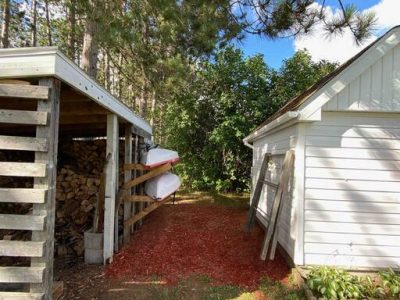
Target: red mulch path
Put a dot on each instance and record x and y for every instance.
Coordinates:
(177, 241)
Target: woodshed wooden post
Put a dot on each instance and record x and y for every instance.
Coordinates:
(127, 177)
(111, 187)
(47, 209)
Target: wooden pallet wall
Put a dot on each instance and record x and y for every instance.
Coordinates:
(42, 196)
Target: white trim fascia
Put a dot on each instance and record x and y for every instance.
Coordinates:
(290, 115)
(49, 61)
(344, 78)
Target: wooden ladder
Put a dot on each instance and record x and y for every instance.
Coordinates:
(272, 229)
(39, 249)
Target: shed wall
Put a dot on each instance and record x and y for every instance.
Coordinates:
(352, 190)
(277, 144)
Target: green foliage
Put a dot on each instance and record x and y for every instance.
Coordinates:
(334, 283)
(391, 282)
(228, 97)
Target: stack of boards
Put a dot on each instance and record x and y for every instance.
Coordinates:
(164, 185)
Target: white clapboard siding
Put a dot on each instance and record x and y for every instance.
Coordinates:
(331, 173)
(355, 185)
(350, 163)
(22, 169)
(23, 117)
(21, 91)
(349, 131)
(352, 217)
(22, 222)
(23, 143)
(381, 229)
(21, 274)
(352, 261)
(22, 195)
(352, 239)
(354, 206)
(334, 249)
(359, 196)
(376, 89)
(21, 248)
(21, 296)
(353, 153)
(345, 142)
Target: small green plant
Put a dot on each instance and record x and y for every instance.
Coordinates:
(333, 283)
(391, 282)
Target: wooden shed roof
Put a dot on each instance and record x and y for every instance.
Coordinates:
(38, 62)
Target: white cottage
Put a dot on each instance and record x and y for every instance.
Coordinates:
(344, 202)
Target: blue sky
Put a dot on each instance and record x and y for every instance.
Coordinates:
(275, 51)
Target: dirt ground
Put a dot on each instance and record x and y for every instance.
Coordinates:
(194, 249)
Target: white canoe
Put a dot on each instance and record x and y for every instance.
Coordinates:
(158, 156)
(162, 186)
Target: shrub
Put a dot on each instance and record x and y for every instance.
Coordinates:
(391, 282)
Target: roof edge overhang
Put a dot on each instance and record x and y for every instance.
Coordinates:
(49, 61)
(310, 110)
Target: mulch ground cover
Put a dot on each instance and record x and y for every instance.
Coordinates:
(182, 240)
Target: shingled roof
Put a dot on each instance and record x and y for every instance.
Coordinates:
(294, 103)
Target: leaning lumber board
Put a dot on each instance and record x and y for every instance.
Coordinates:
(24, 91)
(138, 198)
(153, 173)
(21, 248)
(23, 143)
(22, 222)
(23, 117)
(22, 169)
(140, 215)
(21, 274)
(22, 195)
(21, 296)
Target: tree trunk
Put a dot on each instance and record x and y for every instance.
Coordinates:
(5, 43)
(48, 24)
(153, 108)
(34, 30)
(107, 82)
(71, 32)
(90, 45)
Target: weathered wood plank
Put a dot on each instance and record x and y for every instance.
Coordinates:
(111, 187)
(23, 143)
(128, 167)
(21, 248)
(138, 198)
(51, 107)
(21, 296)
(22, 195)
(127, 177)
(22, 169)
(23, 117)
(22, 222)
(21, 274)
(153, 173)
(140, 215)
(255, 199)
(24, 91)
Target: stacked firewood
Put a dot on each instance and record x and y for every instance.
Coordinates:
(75, 199)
